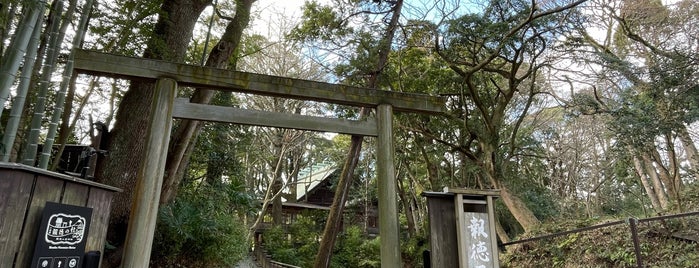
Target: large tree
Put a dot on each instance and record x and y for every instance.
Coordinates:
(185, 133)
(498, 54)
(169, 41)
(647, 85)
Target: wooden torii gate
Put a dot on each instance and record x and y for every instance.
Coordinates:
(165, 106)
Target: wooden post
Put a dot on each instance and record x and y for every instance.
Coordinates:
(461, 231)
(490, 202)
(144, 211)
(388, 205)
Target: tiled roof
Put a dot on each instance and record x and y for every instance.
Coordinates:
(311, 177)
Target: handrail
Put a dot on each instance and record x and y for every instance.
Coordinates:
(588, 228)
(265, 260)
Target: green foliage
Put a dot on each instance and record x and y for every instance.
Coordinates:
(412, 249)
(355, 250)
(300, 245)
(202, 229)
(123, 26)
(540, 201)
(320, 22)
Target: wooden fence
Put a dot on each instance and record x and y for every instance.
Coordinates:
(265, 260)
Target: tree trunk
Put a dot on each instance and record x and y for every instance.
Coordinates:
(690, 149)
(332, 226)
(670, 184)
(657, 184)
(502, 234)
(187, 131)
(407, 209)
(278, 150)
(55, 37)
(432, 169)
(125, 143)
(524, 216)
(68, 123)
(519, 209)
(647, 185)
(673, 169)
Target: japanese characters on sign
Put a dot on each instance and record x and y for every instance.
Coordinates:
(477, 240)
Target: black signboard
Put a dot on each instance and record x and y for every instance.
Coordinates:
(60, 242)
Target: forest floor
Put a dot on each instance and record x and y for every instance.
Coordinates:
(661, 243)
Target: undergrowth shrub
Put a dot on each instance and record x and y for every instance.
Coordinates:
(198, 231)
(300, 246)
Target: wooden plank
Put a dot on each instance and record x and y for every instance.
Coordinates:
(103, 64)
(15, 190)
(493, 234)
(474, 192)
(144, 212)
(442, 222)
(461, 231)
(186, 110)
(74, 194)
(38, 171)
(100, 201)
(46, 189)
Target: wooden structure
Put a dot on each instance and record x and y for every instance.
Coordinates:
(169, 76)
(24, 191)
(290, 212)
(315, 192)
(314, 185)
(75, 160)
(462, 228)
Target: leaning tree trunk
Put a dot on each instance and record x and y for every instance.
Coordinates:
(171, 36)
(184, 136)
(524, 216)
(655, 179)
(332, 226)
(68, 123)
(647, 185)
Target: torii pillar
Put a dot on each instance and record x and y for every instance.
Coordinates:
(144, 209)
(386, 177)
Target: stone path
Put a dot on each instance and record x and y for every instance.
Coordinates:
(248, 262)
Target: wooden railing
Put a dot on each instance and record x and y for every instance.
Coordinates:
(265, 260)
